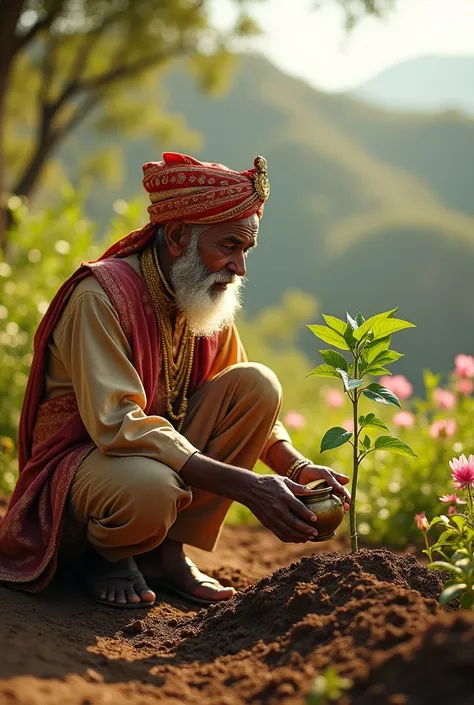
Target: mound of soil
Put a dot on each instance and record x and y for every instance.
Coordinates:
(374, 616)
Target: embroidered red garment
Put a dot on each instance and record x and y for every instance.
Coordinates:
(52, 438)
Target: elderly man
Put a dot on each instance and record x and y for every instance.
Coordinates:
(142, 418)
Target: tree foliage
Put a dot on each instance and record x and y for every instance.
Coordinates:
(60, 60)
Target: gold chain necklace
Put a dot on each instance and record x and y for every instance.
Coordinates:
(176, 374)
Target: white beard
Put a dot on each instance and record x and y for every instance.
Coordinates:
(207, 311)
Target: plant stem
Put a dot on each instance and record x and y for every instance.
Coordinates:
(355, 467)
(469, 496)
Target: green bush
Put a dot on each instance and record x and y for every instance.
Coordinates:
(44, 249)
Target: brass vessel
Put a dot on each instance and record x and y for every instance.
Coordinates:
(327, 507)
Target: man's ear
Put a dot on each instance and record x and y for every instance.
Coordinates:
(176, 237)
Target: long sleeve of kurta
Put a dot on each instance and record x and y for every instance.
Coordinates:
(90, 348)
(90, 355)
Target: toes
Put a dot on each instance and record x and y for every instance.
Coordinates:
(147, 595)
(120, 597)
(132, 596)
(110, 595)
(215, 592)
(144, 591)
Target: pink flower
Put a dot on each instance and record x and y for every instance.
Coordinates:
(334, 398)
(348, 424)
(452, 510)
(444, 428)
(444, 399)
(422, 522)
(464, 366)
(399, 385)
(464, 387)
(451, 499)
(294, 420)
(404, 419)
(462, 471)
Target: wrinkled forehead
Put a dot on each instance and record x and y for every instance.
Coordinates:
(246, 227)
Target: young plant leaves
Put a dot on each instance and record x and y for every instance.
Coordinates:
(394, 445)
(382, 395)
(348, 382)
(335, 359)
(372, 350)
(370, 322)
(351, 321)
(334, 438)
(324, 371)
(336, 324)
(328, 335)
(372, 421)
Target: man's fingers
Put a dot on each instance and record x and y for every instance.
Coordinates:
(300, 526)
(301, 510)
(343, 479)
(332, 479)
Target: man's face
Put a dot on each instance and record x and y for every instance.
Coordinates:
(208, 277)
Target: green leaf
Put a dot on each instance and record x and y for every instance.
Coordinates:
(336, 324)
(334, 438)
(444, 565)
(467, 600)
(374, 422)
(439, 520)
(458, 522)
(372, 350)
(366, 442)
(351, 321)
(394, 445)
(376, 392)
(324, 371)
(360, 319)
(377, 371)
(451, 592)
(333, 358)
(387, 357)
(329, 336)
(370, 322)
(388, 326)
(348, 382)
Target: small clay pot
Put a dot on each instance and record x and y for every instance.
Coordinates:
(327, 507)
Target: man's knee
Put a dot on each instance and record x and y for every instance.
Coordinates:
(259, 380)
(153, 491)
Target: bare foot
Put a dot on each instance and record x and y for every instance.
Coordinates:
(119, 583)
(169, 564)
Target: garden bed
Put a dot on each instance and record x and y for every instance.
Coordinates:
(375, 617)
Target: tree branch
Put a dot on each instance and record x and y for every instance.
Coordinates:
(38, 27)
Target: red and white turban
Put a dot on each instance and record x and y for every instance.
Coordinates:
(183, 188)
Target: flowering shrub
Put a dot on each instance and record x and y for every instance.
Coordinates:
(455, 544)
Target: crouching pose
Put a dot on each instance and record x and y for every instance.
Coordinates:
(142, 418)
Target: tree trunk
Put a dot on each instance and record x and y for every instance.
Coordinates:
(10, 11)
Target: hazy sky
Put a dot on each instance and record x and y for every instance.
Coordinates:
(313, 44)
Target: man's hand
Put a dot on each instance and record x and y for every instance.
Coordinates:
(336, 480)
(273, 500)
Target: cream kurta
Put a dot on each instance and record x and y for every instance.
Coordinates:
(90, 356)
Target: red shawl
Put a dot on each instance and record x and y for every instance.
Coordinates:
(52, 438)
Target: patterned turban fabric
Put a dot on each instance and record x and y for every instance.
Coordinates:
(183, 188)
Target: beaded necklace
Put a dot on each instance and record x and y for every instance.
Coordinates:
(176, 373)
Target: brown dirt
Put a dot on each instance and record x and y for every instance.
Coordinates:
(374, 616)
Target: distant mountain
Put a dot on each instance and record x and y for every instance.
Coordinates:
(369, 209)
(429, 83)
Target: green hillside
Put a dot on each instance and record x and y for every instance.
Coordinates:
(369, 209)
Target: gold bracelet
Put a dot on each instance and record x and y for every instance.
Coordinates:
(296, 466)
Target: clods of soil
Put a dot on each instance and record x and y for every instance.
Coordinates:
(374, 616)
